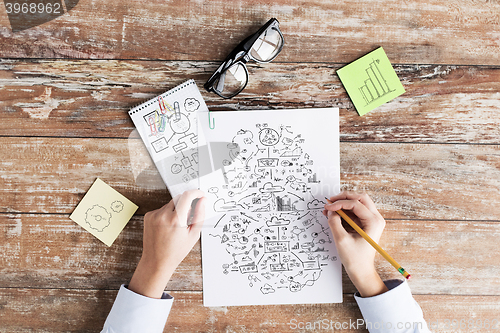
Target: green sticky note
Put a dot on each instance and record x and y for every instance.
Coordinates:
(103, 212)
(370, 81)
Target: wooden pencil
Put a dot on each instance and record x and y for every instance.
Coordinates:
(372, 242)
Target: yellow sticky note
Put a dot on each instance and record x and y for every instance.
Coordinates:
(370, 81)
(103, 212)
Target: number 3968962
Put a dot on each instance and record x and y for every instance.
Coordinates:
(33, 8)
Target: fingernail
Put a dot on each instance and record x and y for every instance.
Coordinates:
(330, 213)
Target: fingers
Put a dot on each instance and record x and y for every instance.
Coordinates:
(183, 206)
(166, 211)
(335, 223)
(363, 208)
(358, 209)
(175, 200)
(361, 197)
(198, 218)
(170, 207)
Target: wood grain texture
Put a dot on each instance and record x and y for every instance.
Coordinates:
(51, 175)
(430, 158)
(276, 319)
(53, 310)
(67, 310)
(443, 104)
(416, 31)
(51, 251)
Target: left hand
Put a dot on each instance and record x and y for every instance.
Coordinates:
(169, 235)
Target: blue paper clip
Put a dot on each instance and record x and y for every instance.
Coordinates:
(211, 121)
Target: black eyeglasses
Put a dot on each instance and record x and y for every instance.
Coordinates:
(232, 75)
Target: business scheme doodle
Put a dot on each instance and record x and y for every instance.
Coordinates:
(269, 212)
(168, 126)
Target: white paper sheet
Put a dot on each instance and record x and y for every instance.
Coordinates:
(168, 126)
(266, 240)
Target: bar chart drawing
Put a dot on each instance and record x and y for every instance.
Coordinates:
(375, 86)
(313, 179)
(284, 204)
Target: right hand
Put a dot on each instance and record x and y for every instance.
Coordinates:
(356, 254)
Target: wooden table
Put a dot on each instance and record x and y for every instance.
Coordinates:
(430, 158)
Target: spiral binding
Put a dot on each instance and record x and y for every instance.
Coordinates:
(153, 100)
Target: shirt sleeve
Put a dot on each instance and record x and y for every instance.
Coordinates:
(394, 311)
(132, 312)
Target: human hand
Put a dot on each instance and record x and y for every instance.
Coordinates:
(356, 254)
(169, 235)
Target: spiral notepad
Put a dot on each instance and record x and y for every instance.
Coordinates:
(168, 126)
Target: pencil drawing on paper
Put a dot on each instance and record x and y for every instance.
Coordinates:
(173, 132)
(117, 206)
(271, 226)
(97, 217)
(376, 85)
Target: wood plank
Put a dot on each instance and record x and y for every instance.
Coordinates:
(425, 181)
(63, 310)
(54, 310)
(51, 251)
(416, 31)
(437, 311)
(439, 188)
(443, 104)
(51, 175)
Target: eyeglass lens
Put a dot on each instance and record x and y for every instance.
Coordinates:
(232, 81)
(267, 45)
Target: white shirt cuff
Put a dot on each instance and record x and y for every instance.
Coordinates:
(393, 311)
(132, 312)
